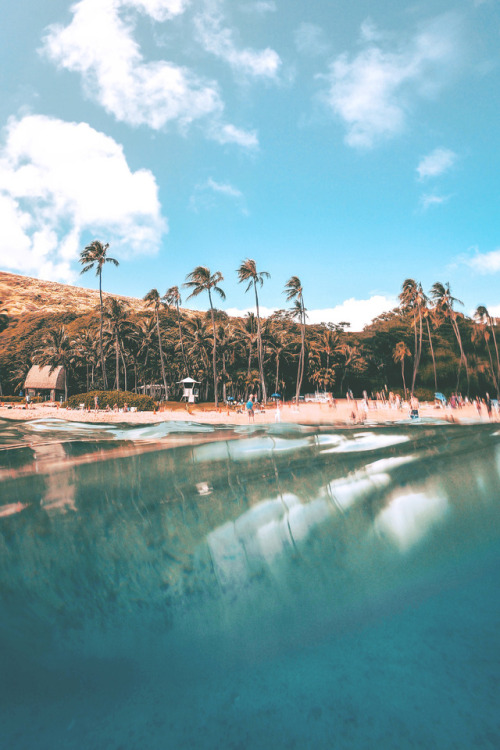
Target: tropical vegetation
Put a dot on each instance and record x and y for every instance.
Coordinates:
(423, 345)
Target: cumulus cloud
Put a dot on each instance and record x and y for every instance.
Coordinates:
(373, 91)
(59, 180)
(219, 41)
(358, 312)
(99, 44)
(485, 263)
(435, 163)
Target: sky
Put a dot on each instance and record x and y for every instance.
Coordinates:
(353, 145)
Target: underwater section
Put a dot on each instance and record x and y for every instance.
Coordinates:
(185, 586)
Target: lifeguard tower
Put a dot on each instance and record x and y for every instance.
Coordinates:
(189, 391)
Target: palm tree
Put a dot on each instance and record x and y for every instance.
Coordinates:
(172, 297)
(428, 314)
(294, 291)
(86, 350)
(153, 298)
(412, 300)
(399, 354)
(118, 326)
(481, 331)
(444, 305)
(248, 272)
(94, 256)
(56, 351)
(483, 314)
(201, 280)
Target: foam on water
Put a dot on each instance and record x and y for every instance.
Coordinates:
(273, 587)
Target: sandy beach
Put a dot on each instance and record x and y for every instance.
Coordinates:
(344, 413)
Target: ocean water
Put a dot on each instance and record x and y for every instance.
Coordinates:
(183, 586)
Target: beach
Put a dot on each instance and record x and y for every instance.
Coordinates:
(343, 413)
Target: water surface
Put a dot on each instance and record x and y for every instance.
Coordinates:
(184, 586)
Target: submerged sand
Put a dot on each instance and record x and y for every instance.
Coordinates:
(342, 413)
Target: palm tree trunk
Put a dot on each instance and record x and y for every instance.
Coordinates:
(432, 353)
(214, 350)
(463, 358)
(300, 372)
(259, 345)
(186, 374)
(161, 353)
(495, 382)
(117, 360)
(103, 366)
(124, 369)
(496, 351)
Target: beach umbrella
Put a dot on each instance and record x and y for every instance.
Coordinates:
(229, 398)
(275, 395)
(440, 397)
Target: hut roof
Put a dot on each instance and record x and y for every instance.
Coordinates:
(45, 377)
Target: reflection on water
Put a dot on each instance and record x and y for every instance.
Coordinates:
(227, 588)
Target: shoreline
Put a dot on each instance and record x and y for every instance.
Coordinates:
(344, 413)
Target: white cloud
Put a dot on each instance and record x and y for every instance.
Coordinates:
(358, 312)
(99, 45)
(231, 134)
(61, 179)
(219, 41)
(430, 199)
(204, 192)
(485, 263)
(260, 6)
(224, 188)
(310, 40)
(437, 162)
(373, 91)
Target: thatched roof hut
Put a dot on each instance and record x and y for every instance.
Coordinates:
(40, 380)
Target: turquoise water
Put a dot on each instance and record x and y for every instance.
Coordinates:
(183, 586)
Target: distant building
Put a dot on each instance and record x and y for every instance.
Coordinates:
(46, 382)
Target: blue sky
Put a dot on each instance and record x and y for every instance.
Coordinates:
(351, 144)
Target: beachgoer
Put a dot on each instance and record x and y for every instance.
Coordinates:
(249, 408)
(488, 405)
(125, 407)
(414, 407)
(27, 401)
(277, 416)
(96, 403)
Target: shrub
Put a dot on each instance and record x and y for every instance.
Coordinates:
(110, 398)
(21, 399)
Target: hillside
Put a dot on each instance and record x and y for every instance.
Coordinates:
(22, 294)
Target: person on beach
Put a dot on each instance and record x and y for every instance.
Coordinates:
(96, 403)
(414, 405)
(249, 408)
(277, 416)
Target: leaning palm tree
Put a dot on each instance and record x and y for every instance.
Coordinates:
(444, 302)
(94, 256)
(248, 272)
(483, 314)
(201, 280)
(399, 354)
(293, 290)
(153, 298)
(172, 297)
